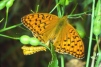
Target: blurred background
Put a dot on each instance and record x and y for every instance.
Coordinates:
(11, 54)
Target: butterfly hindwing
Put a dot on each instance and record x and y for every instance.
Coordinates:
(68, 41)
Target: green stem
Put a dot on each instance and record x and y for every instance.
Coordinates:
(75, 15)
(97, 43)
(11, 27)
(73, 9)
(37, 8)
(93, 59)
(6, 18)
(1, 20)
(98, 60)
(91, 35)
(62, 61)
(45, 46)
(62, 10)
(54, 8)
(9, 37)
(58, 9)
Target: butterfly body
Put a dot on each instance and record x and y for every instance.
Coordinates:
(47, 27)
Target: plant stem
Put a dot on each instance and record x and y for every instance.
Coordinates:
(11, 27)
(62, 61)
(9, 37)
(91, 35)
(6, 18)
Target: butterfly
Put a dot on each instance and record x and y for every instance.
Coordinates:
(46, 27)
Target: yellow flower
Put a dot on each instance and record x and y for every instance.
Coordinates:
(28, 50)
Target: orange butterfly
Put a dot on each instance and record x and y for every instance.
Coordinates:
(46, 27)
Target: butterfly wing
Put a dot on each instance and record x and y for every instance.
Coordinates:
(41, 24)
(68, 41)
(47, 27)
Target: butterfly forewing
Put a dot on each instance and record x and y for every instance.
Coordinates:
(41, 24)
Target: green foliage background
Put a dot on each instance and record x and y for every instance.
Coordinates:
(10, 48)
